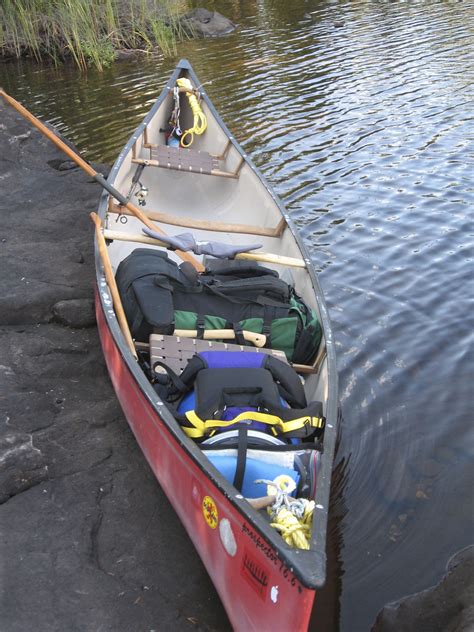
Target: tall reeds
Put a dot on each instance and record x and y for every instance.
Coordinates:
(89, 31)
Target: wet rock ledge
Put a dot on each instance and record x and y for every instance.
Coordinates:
(88, 539)
(446, 607)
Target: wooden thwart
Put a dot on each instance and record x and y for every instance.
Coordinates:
(266, 257)
(204, 224)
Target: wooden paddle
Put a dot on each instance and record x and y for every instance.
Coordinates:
(261, 503)
(85, 166)
(109, 275)
(258, 340)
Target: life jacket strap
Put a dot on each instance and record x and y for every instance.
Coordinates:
(200, 428)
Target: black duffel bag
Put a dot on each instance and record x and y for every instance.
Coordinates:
(159, 296)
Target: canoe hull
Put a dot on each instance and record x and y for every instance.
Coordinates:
(257, 589)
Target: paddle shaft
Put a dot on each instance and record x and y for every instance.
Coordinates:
(110, 277)
(261, 503)
(85, 166)
(258, 340)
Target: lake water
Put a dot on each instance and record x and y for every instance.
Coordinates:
(361, 115)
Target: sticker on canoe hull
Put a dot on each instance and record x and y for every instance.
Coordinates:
(255, 573)
(271, 556)
(227, 537)
(274, 594)
(209, 511)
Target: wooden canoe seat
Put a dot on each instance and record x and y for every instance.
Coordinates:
(184, 159)
(176, 352)
(188, 160)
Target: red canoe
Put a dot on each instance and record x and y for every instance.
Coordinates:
(214, 190)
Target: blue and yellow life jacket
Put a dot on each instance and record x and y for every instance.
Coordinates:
(227, 389)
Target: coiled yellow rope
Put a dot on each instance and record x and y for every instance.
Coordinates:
(292, 517)
(199, 120)
(296, 532)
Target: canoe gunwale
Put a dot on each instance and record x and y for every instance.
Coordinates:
(308, 566)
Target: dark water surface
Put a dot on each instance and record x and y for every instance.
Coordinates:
(361, 116)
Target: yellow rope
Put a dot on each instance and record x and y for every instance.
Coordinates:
(296, 532)
(292, 517)
(199, 120)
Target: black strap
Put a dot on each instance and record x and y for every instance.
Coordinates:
(268, 317)
(265, 300)
(239, 334)
(241, 458)
(176, 385)
(200, 326)
(260, 300)
(237, 327)
(190, 272)
(144, 360)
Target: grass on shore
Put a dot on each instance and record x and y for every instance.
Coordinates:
(89, 31)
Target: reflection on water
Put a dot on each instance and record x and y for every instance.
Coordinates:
(360, 114)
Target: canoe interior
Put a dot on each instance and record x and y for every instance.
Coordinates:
(244, 199)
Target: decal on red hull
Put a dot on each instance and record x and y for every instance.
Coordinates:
(209, 511)
(255, 573)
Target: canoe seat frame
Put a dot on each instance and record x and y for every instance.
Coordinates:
(176, 351)
(182, 349)
(184, 159)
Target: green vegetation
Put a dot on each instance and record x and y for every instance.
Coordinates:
(89, 31)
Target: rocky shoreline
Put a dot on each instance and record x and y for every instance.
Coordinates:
(446, 607)
(89, 541)
(56, 45)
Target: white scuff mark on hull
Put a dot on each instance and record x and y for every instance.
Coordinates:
(227, 537)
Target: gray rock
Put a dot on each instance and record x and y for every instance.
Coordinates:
(89, 541)
(79, 312)
(204, 23)
(21, 464)
(446, 607)
(128, 54)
